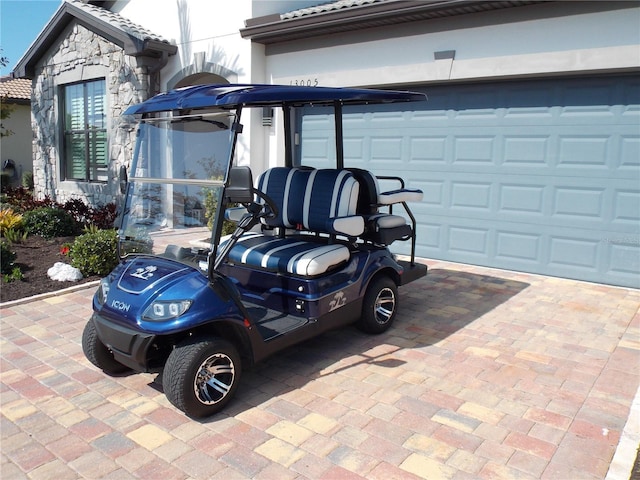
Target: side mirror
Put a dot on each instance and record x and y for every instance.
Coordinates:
(240, 186)
(123, 179)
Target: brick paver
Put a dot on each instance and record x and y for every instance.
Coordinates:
(486, 374)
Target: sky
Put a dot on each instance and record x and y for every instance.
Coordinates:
(20, 23)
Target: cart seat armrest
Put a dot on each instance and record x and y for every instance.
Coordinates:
(351, 226)
(401, 195)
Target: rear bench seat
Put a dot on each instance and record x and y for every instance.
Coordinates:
(310, 202)
(383, 228)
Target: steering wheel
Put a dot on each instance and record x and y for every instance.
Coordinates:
(267, 209)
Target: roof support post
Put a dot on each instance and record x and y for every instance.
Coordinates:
(337, 109)
(288, 136)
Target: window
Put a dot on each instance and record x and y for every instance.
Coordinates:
(85, 133)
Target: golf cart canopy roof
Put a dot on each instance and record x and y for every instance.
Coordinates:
(233, 96)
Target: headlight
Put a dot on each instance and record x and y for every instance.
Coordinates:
(103, 291)
(164, 310)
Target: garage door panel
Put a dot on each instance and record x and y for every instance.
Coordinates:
(586, 151)
(629, 158)
(578, 203)
(529, 150)
(518, 247)
(575, 253)
(624, 261)
(431, 235)
(521, 199)
(468, 241)
(471, 197)
(626, 209)
(427, 150)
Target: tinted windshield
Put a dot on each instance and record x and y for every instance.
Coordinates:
(176, 181)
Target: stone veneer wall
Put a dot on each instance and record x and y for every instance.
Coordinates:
(83, 55)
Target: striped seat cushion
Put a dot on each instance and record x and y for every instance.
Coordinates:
(296, 255)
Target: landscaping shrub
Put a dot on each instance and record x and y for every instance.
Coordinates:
(15, 236)
(95, 252)
(14, 275)
(22, 199)
(77, 209)
(7, 257)
(27, 180)
(9, 220)
(49, 222)
(103, 216)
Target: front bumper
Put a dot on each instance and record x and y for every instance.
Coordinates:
(129, 347)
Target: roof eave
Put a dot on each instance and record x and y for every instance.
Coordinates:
(273, 29)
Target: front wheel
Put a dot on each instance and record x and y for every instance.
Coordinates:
(379, 305)
(97, 353)
(201, 376)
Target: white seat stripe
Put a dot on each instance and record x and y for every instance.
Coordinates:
(285, 200)
(251, 249)
(307, 199)
(267, 255)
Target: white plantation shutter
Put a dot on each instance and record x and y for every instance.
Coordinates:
(85, 134)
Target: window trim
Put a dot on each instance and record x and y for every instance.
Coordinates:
(88, 132)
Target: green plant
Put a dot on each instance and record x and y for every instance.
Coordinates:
(49, 222)
(16, 274)
(91, 229)
(15, 236)
(9, 220)
(27, 180)
(7, 257)
(95, 253)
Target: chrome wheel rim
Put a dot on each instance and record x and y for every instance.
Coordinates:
(214, 379)
(384, 306)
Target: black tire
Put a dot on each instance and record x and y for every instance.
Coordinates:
(379, 305)
(190, 368)
(97, 353)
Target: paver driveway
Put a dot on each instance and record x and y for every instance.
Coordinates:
(486, 374)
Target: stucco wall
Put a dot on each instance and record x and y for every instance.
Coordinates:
(17, 146)
(538, 40)
(82, 55)
(204, 31)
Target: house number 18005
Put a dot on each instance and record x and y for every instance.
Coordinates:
(308, 82)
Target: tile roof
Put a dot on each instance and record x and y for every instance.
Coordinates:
(133, 38)
(15, 89)
(327, 7)
(118, 21)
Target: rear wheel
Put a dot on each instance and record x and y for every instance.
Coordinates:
(97, 353)
(379, 305)
(201, 376)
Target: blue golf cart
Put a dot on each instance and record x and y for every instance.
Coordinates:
(219, 271)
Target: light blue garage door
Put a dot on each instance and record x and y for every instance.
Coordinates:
(539, 176)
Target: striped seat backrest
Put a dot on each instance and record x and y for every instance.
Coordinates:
(329, 194)
(308, 198)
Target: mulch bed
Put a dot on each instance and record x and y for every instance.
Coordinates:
(35, 256)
